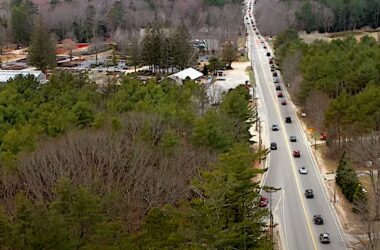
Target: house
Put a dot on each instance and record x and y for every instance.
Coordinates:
(189, 73)
(6, 75)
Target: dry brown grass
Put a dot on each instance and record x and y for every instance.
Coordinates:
(328, 37)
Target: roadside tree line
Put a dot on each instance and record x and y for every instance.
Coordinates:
(130, 166)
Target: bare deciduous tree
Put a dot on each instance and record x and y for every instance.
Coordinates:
(133, 165)
(366, 153)
(69, 45)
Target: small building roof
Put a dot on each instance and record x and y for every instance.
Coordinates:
(189, 72)
(6, 75)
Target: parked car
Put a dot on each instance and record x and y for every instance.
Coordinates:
(273, 146)
(309, 193)
(318, 219)
(268, 54)
(323, 137)
(275, 74)
(263, 202)
(278, 87)
(283, 102)
(265, 47)
(293, 138)
(324, 238)
(275, 127)
(275, 79)
(280, 95)
(303, 170)
(296, 153)
(288, 119)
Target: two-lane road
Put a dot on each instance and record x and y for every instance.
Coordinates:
(293, 211)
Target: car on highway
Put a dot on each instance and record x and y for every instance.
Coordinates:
(278, 87)
(296, 154)
(303, 170)
(280, 95)
(309, 193)
(283, 103)
(273, 146)
(275, 127)
(292, 138)
(268, 54)
(318, 219)
(288, 119)
(263, 201)
(324, 238)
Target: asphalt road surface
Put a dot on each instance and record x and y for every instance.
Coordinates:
(292, 211)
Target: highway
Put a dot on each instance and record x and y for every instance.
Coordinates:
(292, 211)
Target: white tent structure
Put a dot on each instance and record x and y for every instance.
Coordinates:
(6, 75)
(188, 73)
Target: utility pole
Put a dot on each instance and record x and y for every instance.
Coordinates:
(259, 122)
(271, 190)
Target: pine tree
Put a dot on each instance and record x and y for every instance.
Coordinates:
(42, 49)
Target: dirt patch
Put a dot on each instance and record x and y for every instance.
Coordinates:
(328, 37)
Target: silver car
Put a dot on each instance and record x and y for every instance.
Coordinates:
(303, 170)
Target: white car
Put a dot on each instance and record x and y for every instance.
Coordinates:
(303, 170)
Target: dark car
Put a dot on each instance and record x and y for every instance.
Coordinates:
(278, 87)
(273, 146)
(293, 138)
(309, 193)
(268, 54)
(288, 119)
(257, 33)
(265, 47)
(280, 95)
(318, 219)
(275, 127)
(296, 153)
(270, 60)
(283, 103)
(324, 238)
(275, 74)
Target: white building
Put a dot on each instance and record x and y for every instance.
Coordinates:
(188, 73)
(6, 75)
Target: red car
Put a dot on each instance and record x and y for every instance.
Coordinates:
(323, 136)
(263, 202)
(296, 154)
(280, 95)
